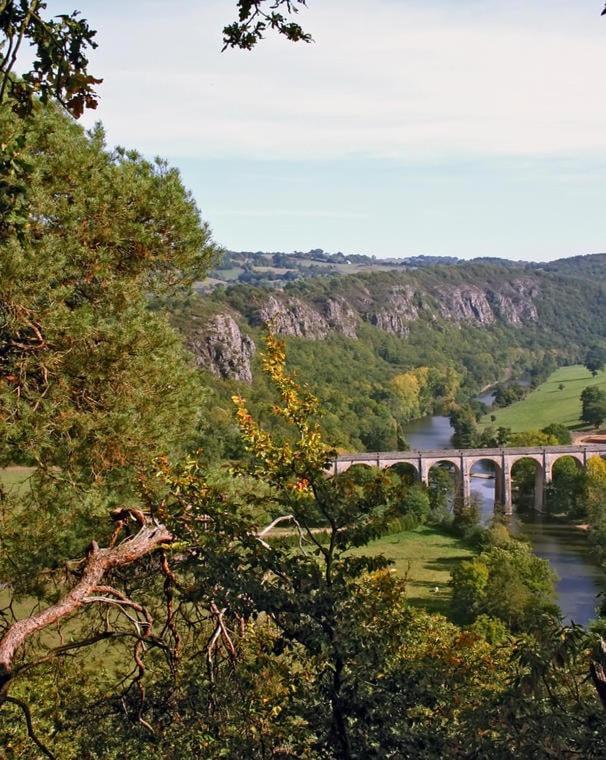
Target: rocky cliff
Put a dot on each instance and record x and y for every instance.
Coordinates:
(394, 307)
(397, 308)
(220, 346)
(288, 315)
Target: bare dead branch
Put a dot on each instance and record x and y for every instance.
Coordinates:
(273, 524)
(97, 563)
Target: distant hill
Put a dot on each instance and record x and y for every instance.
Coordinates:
(446, 330)
(276, 269)
(588, 267)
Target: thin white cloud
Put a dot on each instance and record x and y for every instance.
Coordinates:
(294, 213)
(383, 79)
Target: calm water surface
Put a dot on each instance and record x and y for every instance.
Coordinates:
(580, 578)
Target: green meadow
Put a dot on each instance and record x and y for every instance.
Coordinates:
(426, 557)
(548, 403)
(15, 478)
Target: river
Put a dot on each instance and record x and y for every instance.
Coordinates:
(565, 546)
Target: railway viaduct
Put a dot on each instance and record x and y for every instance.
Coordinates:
(463, 460)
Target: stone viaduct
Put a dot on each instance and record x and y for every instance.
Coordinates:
(463, 460)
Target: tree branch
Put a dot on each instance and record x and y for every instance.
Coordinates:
(598, 671)
(97, 563)
(30, 728)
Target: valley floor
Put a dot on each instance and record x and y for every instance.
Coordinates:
(425, 556)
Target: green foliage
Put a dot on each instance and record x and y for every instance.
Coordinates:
(311, 649)
(465, 426)
(93, 385)
(596, 505)
(416, 502)
(509, 394)
(593, 400)
(595, 359)
(566, 493)
(492, 629)
(59, 70)
(441, 492)
(560, 432)
(506, 581)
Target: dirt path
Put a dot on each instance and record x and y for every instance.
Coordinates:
(588, 436)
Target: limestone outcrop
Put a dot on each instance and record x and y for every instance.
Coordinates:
(222, 348)
(397, 311)
(289, 315)
(465, 303)
(340, 316)
(514, 304)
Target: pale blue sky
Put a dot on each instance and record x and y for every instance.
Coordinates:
(467, 127)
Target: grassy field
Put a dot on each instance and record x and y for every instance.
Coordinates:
(426, 556)
(547, 403)
(15, 478)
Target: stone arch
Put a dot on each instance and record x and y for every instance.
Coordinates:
(460, 493)
(429, 462)
(578, 457)
(566, 482)
(404, 468)
(356, 472)
(538, 458)
(338, 467)
(353, 467)
(495, 473)
(470, 462)
(539, 477)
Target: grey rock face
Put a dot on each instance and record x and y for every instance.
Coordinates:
(220, 346)
(398, 311)
(292, 316)
(515, 305)
(223, 349)
(465, 303)
(512, 303)
(340, 317)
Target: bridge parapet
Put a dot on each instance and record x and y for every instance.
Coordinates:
(463, 460)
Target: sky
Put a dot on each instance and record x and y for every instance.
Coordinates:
(440, 127)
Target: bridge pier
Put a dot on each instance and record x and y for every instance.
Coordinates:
(424, 467)
(506, 501)
(463, 489)
(499, 497)
(502, 490)
(539, 489)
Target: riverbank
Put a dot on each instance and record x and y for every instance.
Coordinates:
(566, 546)
(549, 403)
(580, 577)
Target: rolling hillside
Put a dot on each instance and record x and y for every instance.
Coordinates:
(360, 339)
